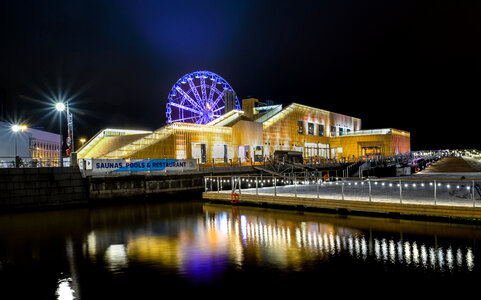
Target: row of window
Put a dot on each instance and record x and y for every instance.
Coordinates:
(320, 129)
(38, 145)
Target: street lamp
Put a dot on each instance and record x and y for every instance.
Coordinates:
(16, 128)
(83, 140)
(60, 107)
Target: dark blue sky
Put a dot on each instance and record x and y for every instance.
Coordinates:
(412, 65)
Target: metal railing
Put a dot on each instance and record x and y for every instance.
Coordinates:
(27, 162)
(437, 191)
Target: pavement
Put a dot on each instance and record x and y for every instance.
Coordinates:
(454, 165)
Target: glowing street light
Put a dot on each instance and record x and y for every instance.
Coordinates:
(17, 128)
(60, 106)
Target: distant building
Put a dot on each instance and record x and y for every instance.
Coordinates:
(250, 134)
(29, 144)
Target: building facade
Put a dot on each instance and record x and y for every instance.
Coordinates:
(251, 134)
(29, 144)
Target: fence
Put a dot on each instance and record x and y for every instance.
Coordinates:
(28, 162)
(437, 191)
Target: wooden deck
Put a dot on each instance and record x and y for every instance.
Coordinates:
(418, 210)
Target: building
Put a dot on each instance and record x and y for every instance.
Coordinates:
(250, 134)
(32, 145)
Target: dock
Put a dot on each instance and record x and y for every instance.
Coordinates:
(435, 193)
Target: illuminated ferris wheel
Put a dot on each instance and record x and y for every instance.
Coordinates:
(198, 98)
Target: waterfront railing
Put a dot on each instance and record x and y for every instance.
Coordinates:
(28, 162)
(437, 191)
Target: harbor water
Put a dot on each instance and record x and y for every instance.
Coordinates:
(193, 247)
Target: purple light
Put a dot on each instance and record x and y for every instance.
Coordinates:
(197, 98)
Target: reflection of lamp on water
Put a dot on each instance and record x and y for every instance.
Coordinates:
(17, 128)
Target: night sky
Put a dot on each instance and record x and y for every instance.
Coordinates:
(411, 65)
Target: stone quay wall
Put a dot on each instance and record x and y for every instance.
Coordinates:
(34, 188)
(40, 188)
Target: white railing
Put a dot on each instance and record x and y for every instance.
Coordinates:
(437, 191)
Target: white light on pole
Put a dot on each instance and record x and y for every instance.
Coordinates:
(17, 128)
(60, 107)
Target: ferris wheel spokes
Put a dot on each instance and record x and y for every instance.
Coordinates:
(185, 108)
(189, 98)
(194, 90)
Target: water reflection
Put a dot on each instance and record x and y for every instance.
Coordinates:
(222, 237)
(64, 289)
(75, 254)
(116, 257)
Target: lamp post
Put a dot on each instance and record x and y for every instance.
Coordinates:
(60, 107)
(17, 128)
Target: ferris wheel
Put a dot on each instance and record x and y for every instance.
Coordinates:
(198, 98)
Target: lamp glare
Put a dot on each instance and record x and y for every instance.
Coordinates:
(60, 106)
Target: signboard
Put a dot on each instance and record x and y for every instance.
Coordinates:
(140, 165)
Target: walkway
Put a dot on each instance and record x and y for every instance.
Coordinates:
(454, 165)
(449, 188)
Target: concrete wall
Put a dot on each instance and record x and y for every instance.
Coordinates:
(24, 188)
(132, 186)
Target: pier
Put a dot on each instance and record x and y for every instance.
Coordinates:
(437, 192)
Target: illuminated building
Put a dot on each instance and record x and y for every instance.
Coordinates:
(249, 134)
(28, 143)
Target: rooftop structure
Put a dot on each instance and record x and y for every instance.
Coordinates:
(250, 134)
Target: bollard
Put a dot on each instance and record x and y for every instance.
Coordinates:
(434, 192)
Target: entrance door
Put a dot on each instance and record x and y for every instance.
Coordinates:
(199, 152)
(371, 151)
(225, 153)
(203, 153)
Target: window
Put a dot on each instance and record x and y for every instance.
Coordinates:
(341, 131)
(300, 127)
(320, 130)
(333, 130)
(310, 128)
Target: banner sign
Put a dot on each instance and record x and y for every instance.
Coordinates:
(139, 165)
